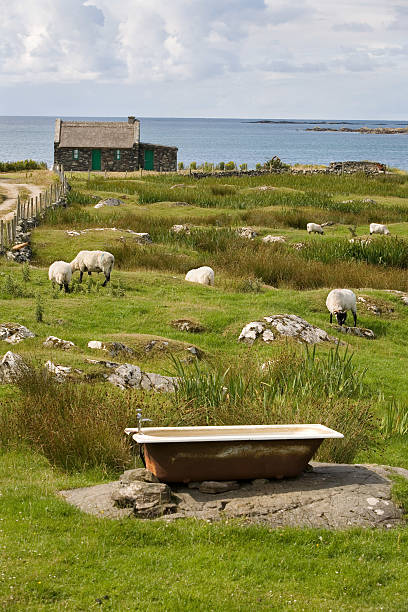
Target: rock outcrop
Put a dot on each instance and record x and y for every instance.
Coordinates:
(128, 376)
(284, 325)
(270, 238)
(54, 342)
(11, 367)
(109, 202)
(14, 333)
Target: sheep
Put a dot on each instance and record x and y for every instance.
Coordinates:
(378, 228)
(203, 275)
(314, 228)
(60, 273)
(93, 261)
(338, 302)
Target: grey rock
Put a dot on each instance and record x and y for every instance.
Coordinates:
(287, 325)
(109, 202)
(137, 475)
(247, 232)
(14, 333)
(270, 238)
(361, 332)
(187, 325)
(126, 376)
(148, 499)
(215, 486)
(54, 342)
(113, 348)
(11, 367)
(181, 229)
(157, 382)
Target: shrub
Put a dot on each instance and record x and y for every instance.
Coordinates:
(27, 164)
(243, 167)
(39, 308)
(76, 426)
(220, 166)
(275, 164)
(193, 165)
(229, 166)
(181, 165)
(11, 287)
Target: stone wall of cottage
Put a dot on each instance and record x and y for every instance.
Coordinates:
(129, 159)
(164, 158)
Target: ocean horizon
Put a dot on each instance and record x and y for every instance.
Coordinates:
(242, 140)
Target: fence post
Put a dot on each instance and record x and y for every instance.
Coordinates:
(14, 226)
(1, 234)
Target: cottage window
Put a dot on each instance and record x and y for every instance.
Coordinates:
(117, 154)
(75, 154)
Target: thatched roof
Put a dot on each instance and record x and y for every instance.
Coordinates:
(97, 134)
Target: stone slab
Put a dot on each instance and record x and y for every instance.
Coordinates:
(331, 496)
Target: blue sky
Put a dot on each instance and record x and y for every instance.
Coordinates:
(218, 58)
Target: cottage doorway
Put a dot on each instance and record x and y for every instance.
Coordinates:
(148, 159)
(96, 159)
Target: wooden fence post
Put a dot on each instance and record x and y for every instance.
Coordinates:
(1, 234)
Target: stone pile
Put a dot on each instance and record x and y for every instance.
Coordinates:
(187, 325)
(270, 238)
(13, 333)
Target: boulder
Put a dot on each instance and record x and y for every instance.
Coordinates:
(54, 342)
(284, 325)
(361, 332)
(126, 376)
(61, 372)
(247, 232)
(187, 325)
(109, 202)
(11, 367)
(217, 486)
(148, 499)
(113, 348)
(270, 238)
(14, 333)
(141, 237)
(157, 382)
(137, 475)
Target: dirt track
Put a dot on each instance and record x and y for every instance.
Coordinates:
(11, 190)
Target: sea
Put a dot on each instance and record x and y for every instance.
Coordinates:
(240, 140)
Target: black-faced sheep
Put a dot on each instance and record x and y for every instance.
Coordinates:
(93, 261)
(339, 302)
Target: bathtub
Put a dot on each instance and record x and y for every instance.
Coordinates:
(239, 452)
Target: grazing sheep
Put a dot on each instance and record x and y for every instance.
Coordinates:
(338, 302)
(378, 228)
(203, 275)
(314, 228)
(93, 261)
(60, 273)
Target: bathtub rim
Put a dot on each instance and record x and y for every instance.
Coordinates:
(312, 431)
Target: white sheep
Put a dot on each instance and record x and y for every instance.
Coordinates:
(338, 302)
(93, 261)
(378, 228)
(203, 275)
(60, 273)
(314, 228)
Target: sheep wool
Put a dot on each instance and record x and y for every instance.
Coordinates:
(93, 261)
(339, 302)
(378, 228)
(314, 228)
(203, 275)
(60, 273)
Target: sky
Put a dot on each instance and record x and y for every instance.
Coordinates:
(205, 58)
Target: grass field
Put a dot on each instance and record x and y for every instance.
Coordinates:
(57, 558)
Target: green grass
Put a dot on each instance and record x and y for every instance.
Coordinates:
(58, 558)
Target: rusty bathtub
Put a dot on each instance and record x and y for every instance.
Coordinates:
(241, 452)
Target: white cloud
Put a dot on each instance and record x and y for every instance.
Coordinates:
(217, 54)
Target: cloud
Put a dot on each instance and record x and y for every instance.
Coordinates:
(352, 27)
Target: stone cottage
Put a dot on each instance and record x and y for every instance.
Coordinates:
(109, 145)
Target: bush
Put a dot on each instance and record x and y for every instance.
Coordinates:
(220, 166)
(229, 166)
(193, 165)
(27, 164)
(275, 164)
(181, 166)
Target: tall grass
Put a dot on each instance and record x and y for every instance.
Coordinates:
(313, 388)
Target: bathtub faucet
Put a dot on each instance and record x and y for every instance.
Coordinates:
(140, 420)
